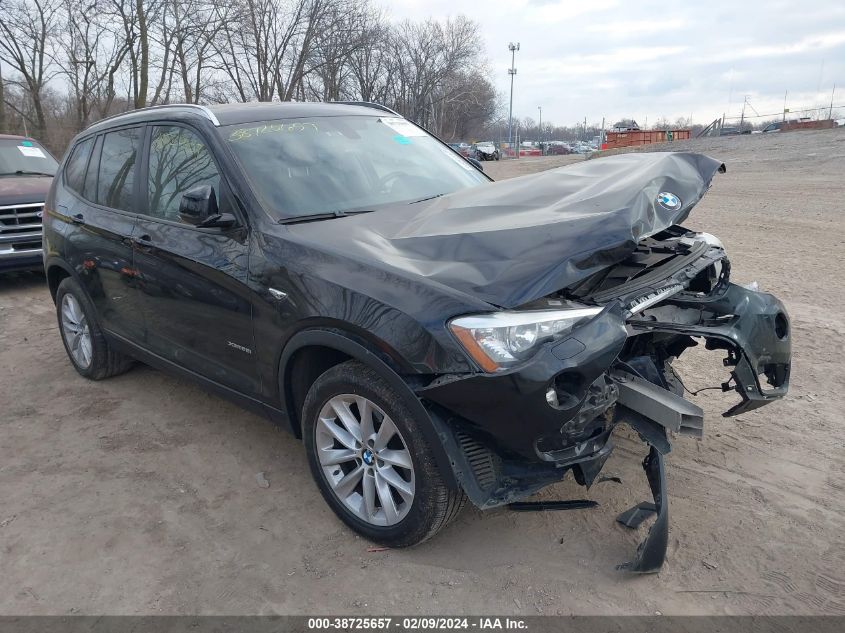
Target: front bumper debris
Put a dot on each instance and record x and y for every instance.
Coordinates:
(652, 551)
(506, 439)
(753, 327)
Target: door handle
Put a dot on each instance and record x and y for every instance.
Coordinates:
(77, 219)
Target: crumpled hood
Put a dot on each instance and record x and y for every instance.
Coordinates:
(513, 241)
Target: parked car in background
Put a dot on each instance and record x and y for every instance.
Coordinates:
(556, 148)
(26, 171)
(485, 151)
(733, 131)
(462, 148)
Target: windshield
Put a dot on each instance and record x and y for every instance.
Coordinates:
(23, 156)
(333, 165)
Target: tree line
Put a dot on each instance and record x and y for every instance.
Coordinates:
(67, 63)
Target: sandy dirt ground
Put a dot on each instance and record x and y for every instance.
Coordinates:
(138, 495)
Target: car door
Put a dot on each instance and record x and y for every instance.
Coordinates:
(100, 224)
(196, 303)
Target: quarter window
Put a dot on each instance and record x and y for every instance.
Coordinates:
(89, 191)
(117, 168)
(75, 168)
(179, 161)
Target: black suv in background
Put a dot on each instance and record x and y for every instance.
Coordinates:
(26, 171)
(430, 334)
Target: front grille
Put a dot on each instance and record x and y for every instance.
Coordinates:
(20, 227)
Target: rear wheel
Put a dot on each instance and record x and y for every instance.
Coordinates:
(371, 461)
(87, 348)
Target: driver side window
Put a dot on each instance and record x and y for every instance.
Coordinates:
(179, 161)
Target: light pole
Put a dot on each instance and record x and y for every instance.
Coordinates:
(511, 71)
(540, 108)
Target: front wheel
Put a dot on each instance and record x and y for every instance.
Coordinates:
(371, 461)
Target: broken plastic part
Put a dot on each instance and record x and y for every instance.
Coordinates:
(633, 517)
(652, 551)
(542, 506)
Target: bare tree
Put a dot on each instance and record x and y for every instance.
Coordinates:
(67, 63)
(261, 47)
(196, 25)
(372, 66)
(132, 19)
(342, 32)
(2, 102)
(26, 29)
(89, 56)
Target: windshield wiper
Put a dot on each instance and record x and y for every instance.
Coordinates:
(316, 217)
(437, 195)
(22, 172)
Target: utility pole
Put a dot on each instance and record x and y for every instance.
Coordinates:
(830, 112)
(785, 92)
(742, 116)
(512, 71)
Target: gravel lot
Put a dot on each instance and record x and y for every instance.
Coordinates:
(138, 495)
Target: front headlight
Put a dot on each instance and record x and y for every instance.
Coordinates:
(500, 339)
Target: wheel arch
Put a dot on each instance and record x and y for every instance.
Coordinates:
(310, 353)
(57, 270)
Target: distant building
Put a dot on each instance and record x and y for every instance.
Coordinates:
(626, 125)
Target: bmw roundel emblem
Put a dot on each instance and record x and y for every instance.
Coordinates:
(669, 200)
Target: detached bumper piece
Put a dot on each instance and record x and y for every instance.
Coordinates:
(652, 551)
(753, 327)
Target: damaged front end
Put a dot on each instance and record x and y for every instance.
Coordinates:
(511, 431)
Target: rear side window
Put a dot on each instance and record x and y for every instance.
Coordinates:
(76, 164)
(116, 180)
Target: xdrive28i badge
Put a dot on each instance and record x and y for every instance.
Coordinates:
(669, 200)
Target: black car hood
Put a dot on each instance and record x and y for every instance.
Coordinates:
(513, 241)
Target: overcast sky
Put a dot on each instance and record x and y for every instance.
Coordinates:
(646, 59)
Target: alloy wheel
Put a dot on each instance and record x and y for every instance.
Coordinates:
(365, 459)
(76, 332)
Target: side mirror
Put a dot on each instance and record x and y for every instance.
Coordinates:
(476, 163)
(198, 205)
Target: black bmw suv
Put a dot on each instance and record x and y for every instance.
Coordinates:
(431, 335)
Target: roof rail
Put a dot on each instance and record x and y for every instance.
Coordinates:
(369, 104)
(206, 112)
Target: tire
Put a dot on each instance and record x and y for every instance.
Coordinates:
(396, 522)
(76, 313)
